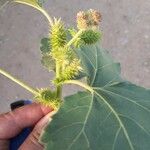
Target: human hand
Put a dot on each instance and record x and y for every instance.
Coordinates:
(13, 122)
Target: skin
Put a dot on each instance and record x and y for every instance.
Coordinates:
(13, 122)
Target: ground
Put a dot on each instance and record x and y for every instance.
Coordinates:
(126, 35)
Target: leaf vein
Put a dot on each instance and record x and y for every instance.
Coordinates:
(138, 124)
(132, 101)
(116, 136)
(82, 129)
(118, 118)
(58, 130)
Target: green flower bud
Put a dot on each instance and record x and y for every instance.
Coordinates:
(71, 71)
(90, 36)
(61, 55)
(48, 98)
(58, 34)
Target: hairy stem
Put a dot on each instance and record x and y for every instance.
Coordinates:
(25, 86)
(80, 84)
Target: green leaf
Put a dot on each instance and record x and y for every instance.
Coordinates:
(48, 62)
(116, 116)
(45, 45)
(99, 66)
(112, 118)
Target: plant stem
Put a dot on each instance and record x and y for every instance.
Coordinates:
(74, 38)
(80, 84)
(59, 87)
(30, 89)
(57, 69)
(59, 91)
(47, 16)
(38, 8)
(60, 67)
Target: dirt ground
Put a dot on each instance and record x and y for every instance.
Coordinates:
(126, 35)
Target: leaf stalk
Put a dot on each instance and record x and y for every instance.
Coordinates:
(22, 84)
(50, 20)
(74, 38)
(80, 84)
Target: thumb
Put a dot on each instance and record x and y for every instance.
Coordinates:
(32, 142)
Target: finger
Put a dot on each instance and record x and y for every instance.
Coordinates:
(32, 142)
(13, 122)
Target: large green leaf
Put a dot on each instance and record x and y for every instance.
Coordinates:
(116, 116)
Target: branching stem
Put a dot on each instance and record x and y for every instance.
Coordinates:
(59, 67)
(74, 38)
(24, 85)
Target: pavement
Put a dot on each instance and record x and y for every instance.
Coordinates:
(126, 35)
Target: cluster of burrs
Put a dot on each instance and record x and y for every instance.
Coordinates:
(63, 44)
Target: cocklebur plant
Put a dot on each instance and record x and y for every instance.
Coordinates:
(110, 113)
